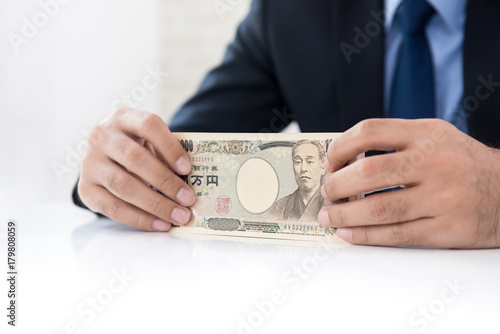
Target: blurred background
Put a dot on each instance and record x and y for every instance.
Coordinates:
(65, 64)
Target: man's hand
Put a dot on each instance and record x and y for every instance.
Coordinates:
(451, 195)
(127, 153)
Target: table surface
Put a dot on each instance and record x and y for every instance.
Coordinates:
(80, 274)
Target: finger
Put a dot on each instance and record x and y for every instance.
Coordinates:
(104, 202)
(368, 135)
(152, 128)
(417, 233)
(133, 191)
(425, 232)
(379, 209)
(140, 161)
(149, 147)
(370, 174)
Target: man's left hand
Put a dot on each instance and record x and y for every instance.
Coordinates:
(451, 186)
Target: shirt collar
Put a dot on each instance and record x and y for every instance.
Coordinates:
(451, 12)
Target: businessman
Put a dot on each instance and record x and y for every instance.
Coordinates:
(417, 78)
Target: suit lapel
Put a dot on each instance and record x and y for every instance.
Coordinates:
(360, 43)
(482, 70)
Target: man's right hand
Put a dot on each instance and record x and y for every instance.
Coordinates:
(129, 152)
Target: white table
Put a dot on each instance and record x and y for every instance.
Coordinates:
(70, 281)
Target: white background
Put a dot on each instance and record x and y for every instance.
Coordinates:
(65, 79)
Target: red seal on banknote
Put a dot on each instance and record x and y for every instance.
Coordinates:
(223, 205)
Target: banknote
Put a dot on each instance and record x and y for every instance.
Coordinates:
(257, 185)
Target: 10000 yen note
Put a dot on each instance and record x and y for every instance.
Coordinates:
(257, 185)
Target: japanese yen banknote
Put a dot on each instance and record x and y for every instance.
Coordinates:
(257, 185)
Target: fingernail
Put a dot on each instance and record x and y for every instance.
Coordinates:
(345, 234)
(324, 218)
(183, 165)
(186, 197)
(181, 216)
(323, 192)
(161, 225)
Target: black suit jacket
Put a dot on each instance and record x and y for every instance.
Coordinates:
(288, 62)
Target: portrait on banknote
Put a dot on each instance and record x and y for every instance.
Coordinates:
(306, 201)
